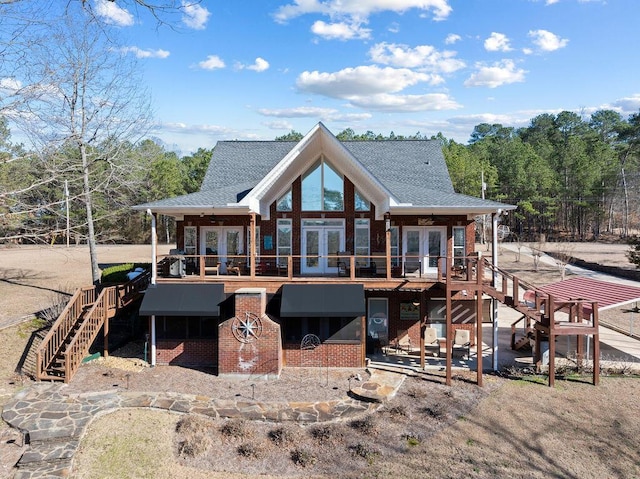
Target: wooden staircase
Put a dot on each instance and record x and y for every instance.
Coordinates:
(541, 313)
(65, 346)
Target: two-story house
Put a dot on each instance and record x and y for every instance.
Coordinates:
(317, 252)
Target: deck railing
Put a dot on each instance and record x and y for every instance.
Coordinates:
(93, 311)
(94, 319)
(356, 267)
(59, 332)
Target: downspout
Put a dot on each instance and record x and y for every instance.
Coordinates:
(154, 276)
(494, 302)
(154, 248)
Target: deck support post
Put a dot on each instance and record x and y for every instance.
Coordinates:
(252, 243)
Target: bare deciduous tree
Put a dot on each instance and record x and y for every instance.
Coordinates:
(88, 103)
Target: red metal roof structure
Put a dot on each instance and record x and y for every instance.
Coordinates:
(607, 295)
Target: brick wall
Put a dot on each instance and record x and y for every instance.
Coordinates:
(334, 355)
(187, 352)
(257, 351)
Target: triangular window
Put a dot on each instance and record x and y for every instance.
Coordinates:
(322, 188)
(285, 202)
(361, 203)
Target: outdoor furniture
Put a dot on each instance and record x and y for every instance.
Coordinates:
(403, 341)
(233, 268)
(431, 342)
(461, 342)
(212, 265)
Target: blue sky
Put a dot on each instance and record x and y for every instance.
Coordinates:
(256, 69)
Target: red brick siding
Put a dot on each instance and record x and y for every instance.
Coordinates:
(187, 352)
(261, 356)
(332, 355)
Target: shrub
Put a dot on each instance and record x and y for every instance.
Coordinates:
(192, 424)
(326, 434)
(436, 411)
(282, 436)
(235, 429)
(365, 425)
(413, 439)
(365, 451)
(193, 446)
(118, 272)
(249, 450)
(398, 411)
(195, 432)
(303, 457)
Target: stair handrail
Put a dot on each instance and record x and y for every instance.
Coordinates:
(79, 346)
(130, 290)
(60, 329)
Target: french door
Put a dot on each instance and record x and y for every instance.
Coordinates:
(321, 241)
(224, 243)
(422, 247)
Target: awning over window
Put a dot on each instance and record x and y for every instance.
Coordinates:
(183, 300)
(322, 300)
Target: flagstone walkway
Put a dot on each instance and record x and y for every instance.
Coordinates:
(52, 421)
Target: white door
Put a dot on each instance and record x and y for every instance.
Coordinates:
(422, 248)
(320, 245)
(224, 243)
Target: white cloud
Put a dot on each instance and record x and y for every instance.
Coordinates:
(547, 41)
(194, 15)
(360, 9)
(259, 65)
(278, 125)
(324, 114)
(359, 81)
(113, 14)
(406, 103)
(497, 42)
(452, 38)
(423, 56)
(500, 73)
(140, 53)
(630, 104)
(340, 31)
(551, 2)
(211, 63)
(298, 112)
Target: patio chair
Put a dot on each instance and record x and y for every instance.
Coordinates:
(403, 341)
(461, 342)
(431, 342)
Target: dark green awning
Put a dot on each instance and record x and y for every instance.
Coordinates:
(322, 300)
(175, 299)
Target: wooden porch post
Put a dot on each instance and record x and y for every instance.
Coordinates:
(449, 335)
(105, 352)
(252, 253)
(387, 235)
(479, 310)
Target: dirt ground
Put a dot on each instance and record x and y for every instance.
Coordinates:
(513, 427)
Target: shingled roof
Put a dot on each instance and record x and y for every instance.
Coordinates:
(413, 171)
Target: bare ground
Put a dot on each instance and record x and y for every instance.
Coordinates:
(510, 428)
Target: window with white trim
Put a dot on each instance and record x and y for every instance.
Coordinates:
(361, 238)
(190, 239)
(360, 202)
(283, 240)
(322, 188)
(458, 245)
(285, 202)
(257, 238)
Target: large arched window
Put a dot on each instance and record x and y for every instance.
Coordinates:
(322, 188)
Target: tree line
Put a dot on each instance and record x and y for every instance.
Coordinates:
(81, 103)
